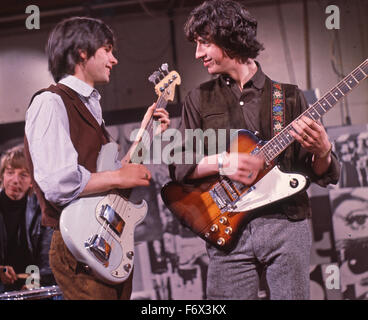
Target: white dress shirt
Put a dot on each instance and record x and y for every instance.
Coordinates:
(55, 160)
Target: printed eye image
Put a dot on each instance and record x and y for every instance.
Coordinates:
(350, 213)
(350, 224)
(356, 219)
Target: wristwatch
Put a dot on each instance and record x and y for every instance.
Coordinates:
(220, 161)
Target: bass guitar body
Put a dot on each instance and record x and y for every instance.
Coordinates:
(99, 230)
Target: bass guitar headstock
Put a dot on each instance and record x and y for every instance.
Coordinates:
(165, 82)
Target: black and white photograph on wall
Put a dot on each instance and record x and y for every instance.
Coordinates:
(157, 256)
(323, 245)
(352, 151)
(350, 225)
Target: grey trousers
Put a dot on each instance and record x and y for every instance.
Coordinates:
(272, 242)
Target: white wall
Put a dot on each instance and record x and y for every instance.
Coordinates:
(144, 44)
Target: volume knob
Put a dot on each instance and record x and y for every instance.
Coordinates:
(127, 267)
(220, 241)
(223, 220)
(228, 230)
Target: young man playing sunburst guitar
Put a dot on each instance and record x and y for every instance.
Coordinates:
(277, 238)
(64, 134)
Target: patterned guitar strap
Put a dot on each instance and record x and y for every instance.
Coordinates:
(278, 103)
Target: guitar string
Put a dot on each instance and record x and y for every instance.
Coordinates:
(160, 103)
(268, 150)
(118, 202)
(268, 146)
(121, 204)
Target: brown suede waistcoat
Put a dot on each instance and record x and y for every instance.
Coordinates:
(87, 137)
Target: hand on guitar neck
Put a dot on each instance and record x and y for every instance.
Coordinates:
(130, 175)
(158, 114)
(313, 137)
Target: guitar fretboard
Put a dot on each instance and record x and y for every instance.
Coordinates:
(280, 142)
(166, 91)
(143, 143)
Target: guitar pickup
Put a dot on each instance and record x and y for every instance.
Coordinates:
(99, 247)
(115, 222)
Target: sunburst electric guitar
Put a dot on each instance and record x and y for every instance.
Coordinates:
(99, 230)
(216, 211)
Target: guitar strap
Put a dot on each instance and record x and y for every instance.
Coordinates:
(278, 103)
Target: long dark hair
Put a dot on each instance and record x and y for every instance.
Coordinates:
(227, 24)
(69, 37)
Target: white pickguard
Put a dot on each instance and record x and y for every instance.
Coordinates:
(274, 186)
(81, 220)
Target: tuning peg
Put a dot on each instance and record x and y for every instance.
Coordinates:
(164, 68)
(154, 77)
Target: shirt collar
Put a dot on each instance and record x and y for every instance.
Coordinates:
(257, 81)
(80, 87)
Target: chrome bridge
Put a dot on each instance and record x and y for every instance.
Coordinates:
(226, 193)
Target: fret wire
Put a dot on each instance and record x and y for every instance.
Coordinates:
(347, 83)
(343, 87)
(337, 87)
(279, 148)
(265, 155)
(146, 139)
(330, 95)
(326, 104)
(361, 70)
(310, 112)
(363, 65)
(269, 152)
(331, 99)
(315, 111)
(337, 94)
(352, 75)
(161, 102)
(358, 75)
(273, 151)
(352, 81)
(320, 111)
(282, 136)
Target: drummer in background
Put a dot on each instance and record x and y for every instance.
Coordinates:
(23, 241)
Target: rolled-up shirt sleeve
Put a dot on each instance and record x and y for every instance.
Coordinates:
(54, 158)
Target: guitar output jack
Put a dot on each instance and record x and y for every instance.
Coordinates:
(294, 183)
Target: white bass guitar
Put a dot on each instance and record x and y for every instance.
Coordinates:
(99, 230)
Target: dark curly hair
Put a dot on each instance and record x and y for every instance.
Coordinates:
(69, 37)
(227, 24)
